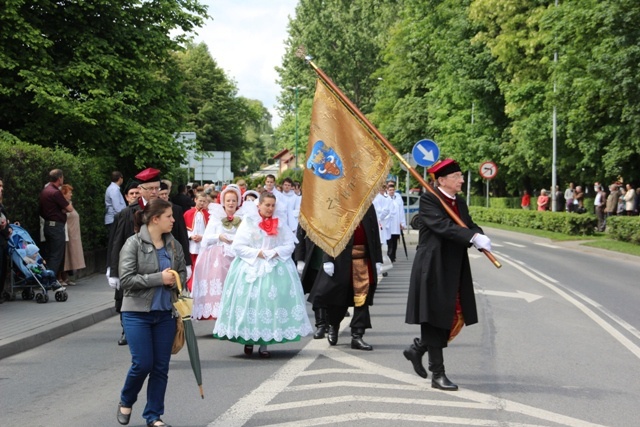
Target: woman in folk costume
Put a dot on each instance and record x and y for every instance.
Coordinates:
(215, 259)
(196, 220)
(263, 301)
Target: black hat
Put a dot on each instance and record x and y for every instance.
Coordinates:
(131, 184)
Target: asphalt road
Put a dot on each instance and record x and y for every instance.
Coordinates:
(557, 345)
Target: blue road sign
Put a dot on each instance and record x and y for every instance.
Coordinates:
(425, 152)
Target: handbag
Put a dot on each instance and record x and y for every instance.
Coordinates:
(183, 307)
(178, 339)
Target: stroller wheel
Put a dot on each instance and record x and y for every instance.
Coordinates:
(8, 296)
(42, 298)
(28, 294)
(61, 296)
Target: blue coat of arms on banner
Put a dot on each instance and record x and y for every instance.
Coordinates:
(325, 162)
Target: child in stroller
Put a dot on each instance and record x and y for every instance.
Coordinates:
(36, 264)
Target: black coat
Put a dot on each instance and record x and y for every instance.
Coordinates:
(304, 252)
(123, 228)
(441, 266)
(337, 290)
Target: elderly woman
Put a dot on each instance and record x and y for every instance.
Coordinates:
(543, 200)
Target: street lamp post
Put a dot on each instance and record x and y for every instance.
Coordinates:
(296, 89)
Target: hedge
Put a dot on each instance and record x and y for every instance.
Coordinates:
(24, 169)
(624, 228)
(560, 222)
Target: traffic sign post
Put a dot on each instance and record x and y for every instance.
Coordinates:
(425, 152)
(488, 170)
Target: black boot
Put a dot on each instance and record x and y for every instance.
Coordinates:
(321, 323)
(436, 365)
(357, 343)
(332, 334)
(414, 354)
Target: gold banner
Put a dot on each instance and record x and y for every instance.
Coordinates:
(345, 166)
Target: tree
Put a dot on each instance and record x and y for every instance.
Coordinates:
(216, 114)
(96, 77)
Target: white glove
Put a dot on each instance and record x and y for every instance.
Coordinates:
(378, 268)
(114, 282)
(300, 267)
(189, 271)
(268, 253)
(481, 241)
(328, 268)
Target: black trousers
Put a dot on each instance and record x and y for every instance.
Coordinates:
(432, 336)
(392, 246)
(360, 319)
(54, 245)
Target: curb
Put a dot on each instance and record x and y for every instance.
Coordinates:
(56, 329)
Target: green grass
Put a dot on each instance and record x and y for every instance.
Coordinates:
(599, 240)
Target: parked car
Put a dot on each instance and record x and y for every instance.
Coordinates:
(412, 210)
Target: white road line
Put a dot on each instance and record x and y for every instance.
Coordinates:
(547, 245)
(514, 244)
(373, 399)
(392, 417)
(538, 277)
(258, 400)
(497, 245)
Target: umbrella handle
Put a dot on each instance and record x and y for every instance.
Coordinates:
(178, 282)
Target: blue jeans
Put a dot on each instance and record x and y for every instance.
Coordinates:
(150, 336)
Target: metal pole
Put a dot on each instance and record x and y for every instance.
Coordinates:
(554, 182)
(473, 107)
(487, 193)
(296, 165)
(406, 213)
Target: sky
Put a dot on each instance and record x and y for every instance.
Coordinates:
(246, 38)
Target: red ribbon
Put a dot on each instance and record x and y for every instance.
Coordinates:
(269, 225)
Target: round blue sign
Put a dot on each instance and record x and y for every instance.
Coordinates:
(425, 152)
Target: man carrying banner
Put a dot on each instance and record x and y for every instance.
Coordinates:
(441, 297)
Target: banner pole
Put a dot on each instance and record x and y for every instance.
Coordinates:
(355, 111)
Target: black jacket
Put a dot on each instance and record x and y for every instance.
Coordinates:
(337, 290)
(441, 266)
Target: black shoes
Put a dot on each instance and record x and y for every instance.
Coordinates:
(357, 343)
(123, 418)
(414, 354)
(158, 423)
(320, 332)
(440, 381)
(332, 335)
(123, 340)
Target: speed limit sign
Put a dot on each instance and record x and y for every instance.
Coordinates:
(488, 170)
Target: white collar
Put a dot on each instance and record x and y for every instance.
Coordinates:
(446, 194)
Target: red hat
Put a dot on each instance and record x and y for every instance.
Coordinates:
(444, 168)
(148, 175)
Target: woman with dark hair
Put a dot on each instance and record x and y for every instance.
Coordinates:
(262, 301)
(147, 310)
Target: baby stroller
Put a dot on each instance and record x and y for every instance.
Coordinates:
(23, 278)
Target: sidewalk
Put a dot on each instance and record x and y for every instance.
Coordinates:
(27, 324)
